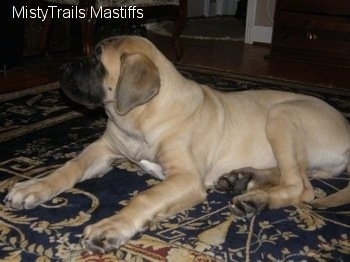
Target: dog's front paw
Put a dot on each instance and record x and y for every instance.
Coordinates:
(250, 204)
(107, 235)
(28, 194)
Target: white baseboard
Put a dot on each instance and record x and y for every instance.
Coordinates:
(261, 34)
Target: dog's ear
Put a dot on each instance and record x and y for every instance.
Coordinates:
(138, 82)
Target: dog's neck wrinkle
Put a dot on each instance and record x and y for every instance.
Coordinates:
(124, 123)
(130, 142)
(171, 103)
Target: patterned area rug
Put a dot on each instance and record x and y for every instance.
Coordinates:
(40, 130)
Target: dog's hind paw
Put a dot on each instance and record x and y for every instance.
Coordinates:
(249, 204)
(235, 181)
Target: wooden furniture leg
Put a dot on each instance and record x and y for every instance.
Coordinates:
(179, 25)
(44, 36)
(87, 26)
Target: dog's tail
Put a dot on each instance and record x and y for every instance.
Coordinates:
(342, 197)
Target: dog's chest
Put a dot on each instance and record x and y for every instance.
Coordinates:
(152, 169)
(135, 149)
(138, 152)
(132, 145)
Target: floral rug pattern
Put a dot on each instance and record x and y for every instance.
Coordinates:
(40, 130)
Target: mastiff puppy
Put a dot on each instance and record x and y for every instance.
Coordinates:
(264, 144)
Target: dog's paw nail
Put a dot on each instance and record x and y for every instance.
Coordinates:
(249, 207)
(7, 202)
(236, 211)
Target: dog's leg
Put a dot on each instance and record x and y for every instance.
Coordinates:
(181, 189)
(287, 143)
(285, 134)
(94, 161)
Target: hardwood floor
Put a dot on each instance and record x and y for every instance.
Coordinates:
(226, 55)
(251, 60)
(26, 77)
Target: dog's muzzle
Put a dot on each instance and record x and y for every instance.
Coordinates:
(82, 81)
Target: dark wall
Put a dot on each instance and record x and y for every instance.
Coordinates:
(11, 34)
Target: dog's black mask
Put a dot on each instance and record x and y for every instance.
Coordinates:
(81, 81)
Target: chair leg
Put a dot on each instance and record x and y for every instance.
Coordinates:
(44, 36)
(87, 30)
(179, 25)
